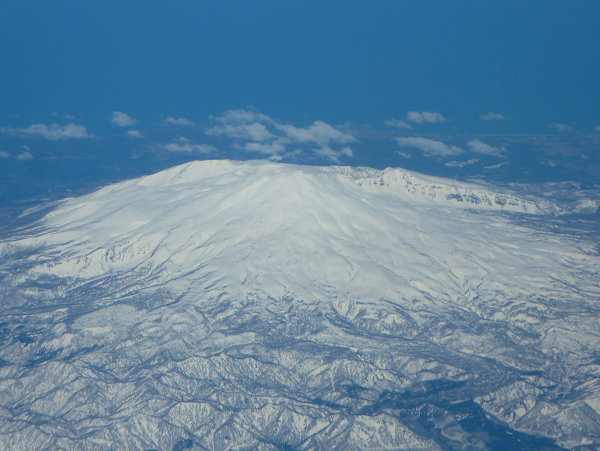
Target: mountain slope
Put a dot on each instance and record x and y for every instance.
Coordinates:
(228, 304)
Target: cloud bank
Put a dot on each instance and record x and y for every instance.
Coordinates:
(51, 132)
(425, 117)
(478, 146)
(430, 147)
(258, 133)
(121, 119)
(435, 148)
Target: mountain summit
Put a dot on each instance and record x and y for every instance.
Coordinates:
(223, 304)
(317, 231)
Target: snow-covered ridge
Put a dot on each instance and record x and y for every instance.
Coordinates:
(445, 191)
(395, 181)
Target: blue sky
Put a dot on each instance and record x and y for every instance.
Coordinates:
(501, 90)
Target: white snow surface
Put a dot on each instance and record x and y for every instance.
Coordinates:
(223, 304)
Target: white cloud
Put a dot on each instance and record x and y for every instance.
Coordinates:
(462, 164)
(252, 132)
(496, 166)
(563, 128)
(430, 147)
(4, 154)
(50, 132)
(397, 123)
(181, 121)
(24, 156)
(257, 132)
(318, 132)
(241, 116)
(121, 119)
(134, 134)
(492, 117)
(184, 145)
(424, 117)
(478, 146)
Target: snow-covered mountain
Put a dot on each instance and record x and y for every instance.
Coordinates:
(224, 304)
